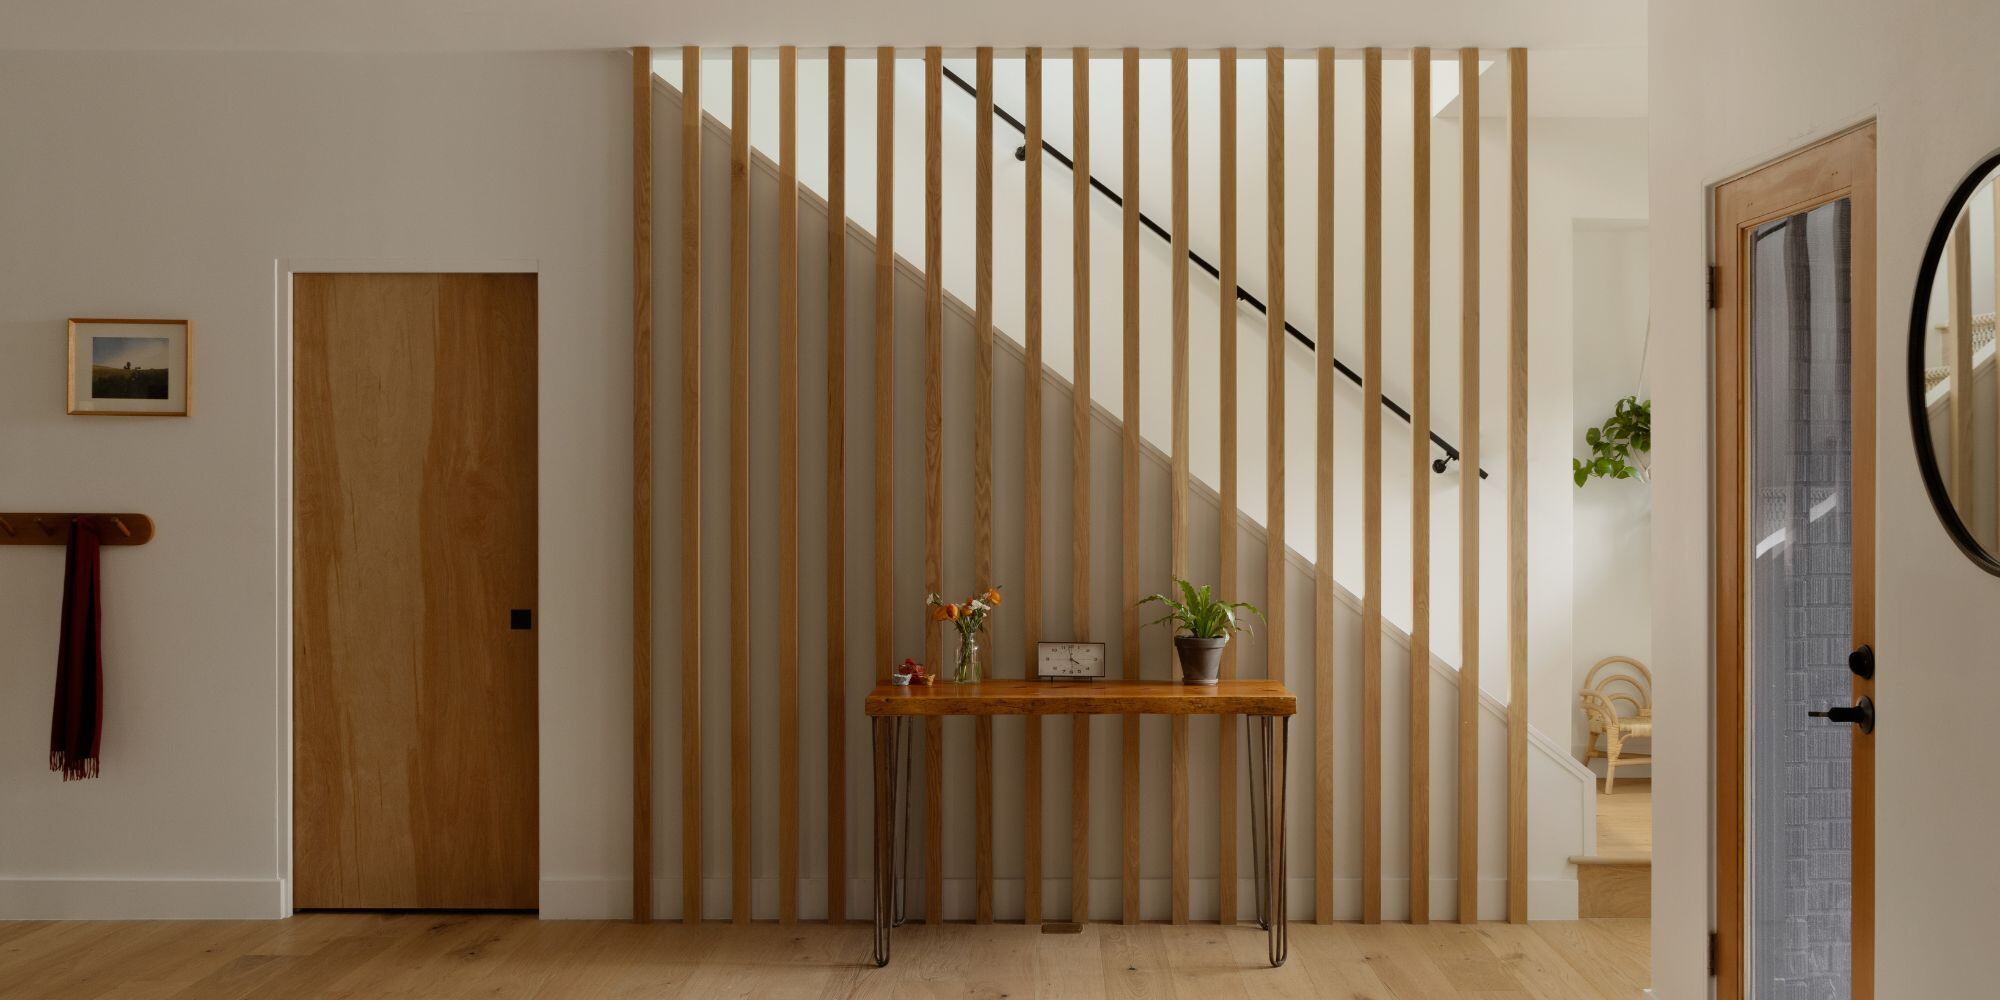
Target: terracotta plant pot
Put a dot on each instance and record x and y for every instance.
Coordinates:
(1201, 659)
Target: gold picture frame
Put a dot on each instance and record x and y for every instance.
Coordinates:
(131, 367)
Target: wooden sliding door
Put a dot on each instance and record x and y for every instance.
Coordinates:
(413, 590)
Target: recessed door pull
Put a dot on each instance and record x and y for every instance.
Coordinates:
(1862, 714)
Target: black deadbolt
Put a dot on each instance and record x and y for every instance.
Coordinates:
(1862, 662)
(520, 618)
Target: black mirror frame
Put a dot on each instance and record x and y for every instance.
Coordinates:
(1920, 427)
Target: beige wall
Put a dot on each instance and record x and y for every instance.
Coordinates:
(1733, 85)
(174, 185)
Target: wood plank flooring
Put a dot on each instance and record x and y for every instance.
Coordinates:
(451, 956)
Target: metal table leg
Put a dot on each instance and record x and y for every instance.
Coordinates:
(1277, 730)
(885, 733)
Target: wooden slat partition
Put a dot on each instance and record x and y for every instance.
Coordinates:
(1129, 495)
(1227, 529)
(1468, 491)
(836, 484)
(1371, 492)
(691, 585)
(1031, 491)
(885, 346)
(1420, 486)
(1274, 366)
(642, 484)
(1323, 586)
(1178, 759)
(1958, 360)
(982, 465)
(1080, 417)
(739, 485)
(933, 464)
(788, 487)
(1517, 485)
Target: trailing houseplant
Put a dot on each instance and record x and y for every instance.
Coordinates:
(1621, 447)
(1208, 623)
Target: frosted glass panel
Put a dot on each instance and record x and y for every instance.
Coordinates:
(1800, 609)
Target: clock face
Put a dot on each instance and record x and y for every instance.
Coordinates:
(1069, 660)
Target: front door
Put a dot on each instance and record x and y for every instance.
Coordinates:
(1795, 530)
(413, 591)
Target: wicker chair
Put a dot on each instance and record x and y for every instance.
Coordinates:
(1602, 698)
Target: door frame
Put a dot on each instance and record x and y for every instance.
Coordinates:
(283, 268)
(1840, 165)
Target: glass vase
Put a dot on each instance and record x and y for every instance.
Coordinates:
(967, 671)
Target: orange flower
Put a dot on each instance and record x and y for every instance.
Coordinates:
(940, 612)
(993, 597)
(951, 612)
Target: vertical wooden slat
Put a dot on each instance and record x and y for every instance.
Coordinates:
(1274, 367)
(1031, 494)
(788, 487)
(885, 347)
(1958, 360)
(982, 465)
(1178, 762)
(1323, 585)
(933, 461)
(836, 484)
(1468, 491)
(1420, 486)
(739, 484)
(1129, 495)
(1226, 529)
(1517, 485)
(691, 585)
(1080, 416)
(642, 484)
(1371, 492)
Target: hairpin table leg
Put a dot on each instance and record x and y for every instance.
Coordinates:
(885, 835)
(1251, 758)
(1277, 730)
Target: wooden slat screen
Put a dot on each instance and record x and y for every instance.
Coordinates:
(788, 486)
(739, 486)
(1517, 485)
(691, 604)
(1420, 487)
(1325, 673)
(836, 484)
(1227, 518)
(1129, 494)
(1031, 489)
(1468, 494)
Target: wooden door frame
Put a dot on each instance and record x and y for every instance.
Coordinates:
(1841, 165)
(286, 509)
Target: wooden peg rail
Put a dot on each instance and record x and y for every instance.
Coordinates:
(53, 528)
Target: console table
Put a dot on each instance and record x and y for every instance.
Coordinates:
(890, 708)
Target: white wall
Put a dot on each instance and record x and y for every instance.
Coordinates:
(1614, 534)
(173, 185)
(1578, 169)
(1560, 824)
(1783, 73)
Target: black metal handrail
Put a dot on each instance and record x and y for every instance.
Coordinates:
(1242, 294)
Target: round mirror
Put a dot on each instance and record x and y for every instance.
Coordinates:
(1954, 374)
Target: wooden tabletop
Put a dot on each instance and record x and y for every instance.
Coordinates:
(1106, 697)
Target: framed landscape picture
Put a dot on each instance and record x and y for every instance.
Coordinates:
(130, 367)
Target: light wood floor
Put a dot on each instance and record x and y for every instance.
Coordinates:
(1625, 819)
(355, 956)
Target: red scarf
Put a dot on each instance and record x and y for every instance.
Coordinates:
(79, 710)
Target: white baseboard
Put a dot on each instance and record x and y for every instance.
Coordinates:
(611, 899)
(142, 899)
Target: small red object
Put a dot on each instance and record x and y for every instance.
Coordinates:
(914, 671)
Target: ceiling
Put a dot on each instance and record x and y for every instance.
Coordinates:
(474, 25)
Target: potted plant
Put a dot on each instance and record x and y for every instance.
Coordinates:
(1207, 622)
(1621, 447)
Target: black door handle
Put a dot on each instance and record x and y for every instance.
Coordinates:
(1861, 714)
